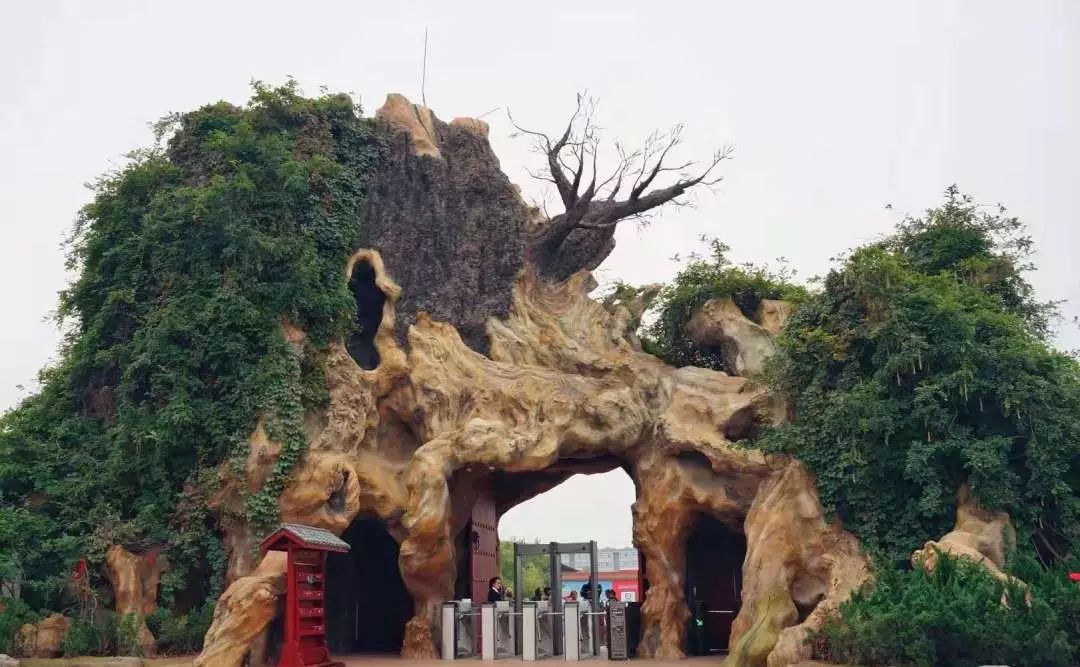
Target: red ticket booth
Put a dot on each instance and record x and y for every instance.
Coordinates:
(305, 592)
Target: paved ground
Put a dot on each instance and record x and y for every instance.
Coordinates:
(90, 662)
(364, 661)
(392, 661)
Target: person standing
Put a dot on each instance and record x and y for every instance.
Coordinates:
(495, 589)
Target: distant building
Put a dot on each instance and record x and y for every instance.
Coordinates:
(615, 569)
(575, 561)
(607, 560)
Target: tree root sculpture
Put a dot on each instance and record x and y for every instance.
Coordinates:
(559, 385)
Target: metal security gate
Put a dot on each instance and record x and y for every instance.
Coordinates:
(553, 550)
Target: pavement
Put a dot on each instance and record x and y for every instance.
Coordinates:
(371, 661)
(395, 661)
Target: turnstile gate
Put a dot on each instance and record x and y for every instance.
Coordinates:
(458, 631)
(537, 631)
(497, 630)
(542, 630)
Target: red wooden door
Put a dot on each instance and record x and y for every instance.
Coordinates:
(484, 546)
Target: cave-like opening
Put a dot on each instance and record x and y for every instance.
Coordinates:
(369, 311)
(367, 604)
(560, 506)
(573, 502)
(714, 557)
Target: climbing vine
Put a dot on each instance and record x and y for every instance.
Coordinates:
(704, 278)
(922, 364)
(190, 258)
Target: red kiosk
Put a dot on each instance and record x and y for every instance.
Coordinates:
(305, 623)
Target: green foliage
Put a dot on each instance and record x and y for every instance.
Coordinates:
(127, 635)
(955, 617)
(183, 634)
(189, 259)
(82, 639)
(92, 635)
(921, 366)
(534, 571)
(14, 613)
(704, 279)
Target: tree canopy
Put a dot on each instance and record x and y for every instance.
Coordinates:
(923, 364)
(920, 363)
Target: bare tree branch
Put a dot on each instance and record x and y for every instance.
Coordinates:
(581, 236)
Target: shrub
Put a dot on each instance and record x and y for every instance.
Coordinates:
(127, 635)
(82, 639)
(183, 634)
(954, 616)
(704, 279)
(13, 615)
(92, 634)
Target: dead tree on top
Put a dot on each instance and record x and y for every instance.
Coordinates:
(582, 236)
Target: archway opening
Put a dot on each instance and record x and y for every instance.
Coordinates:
(367, 604)
(574, 508)
(573, 502)
(715, 553)
(369, 311)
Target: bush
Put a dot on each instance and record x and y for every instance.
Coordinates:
(83, 638)
(94, 634)
(14, 614)
(704, 279)
(953, 616)
(127, 635)
(922, 366)
(180, 635)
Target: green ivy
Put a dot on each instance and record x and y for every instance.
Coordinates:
(922, 365)
(189, 259)
(703, 279)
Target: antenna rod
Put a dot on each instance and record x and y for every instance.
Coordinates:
(423, 74)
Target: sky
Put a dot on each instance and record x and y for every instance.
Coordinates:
(836, 110)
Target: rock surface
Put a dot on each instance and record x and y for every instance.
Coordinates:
(980, 535)
(45, 639)
(798, 570)
(135, 580)
(507, 379)
(243, 612)
(8, 661)
(744, 344)
(446, 220)
(119, 661)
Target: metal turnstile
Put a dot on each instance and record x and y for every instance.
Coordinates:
(458, 631)
(571, 631)
(543, 629)
(537, 630)
(497, 631)
(588, 630)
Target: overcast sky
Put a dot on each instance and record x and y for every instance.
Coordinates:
(835, 109)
